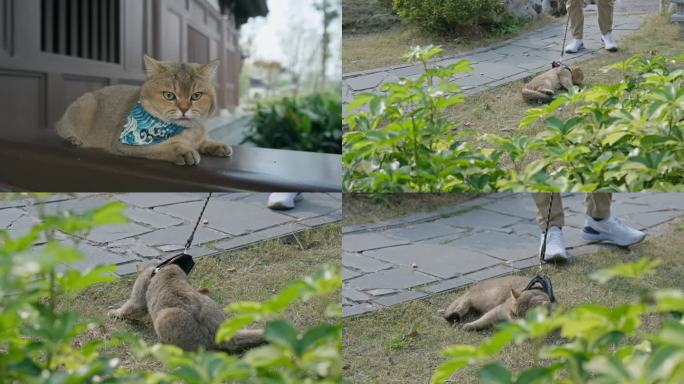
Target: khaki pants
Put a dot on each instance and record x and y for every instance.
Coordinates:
(597, 204)
(576, 15)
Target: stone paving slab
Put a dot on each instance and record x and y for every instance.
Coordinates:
(391, 262)
(515, 59)
(160, 223)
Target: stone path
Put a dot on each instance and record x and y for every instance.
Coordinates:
(160, 223)
(392, 262)
(512, 60)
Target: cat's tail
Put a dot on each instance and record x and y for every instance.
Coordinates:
(243, 340)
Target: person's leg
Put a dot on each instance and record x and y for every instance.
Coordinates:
(555, 243)
(605, 20)
(600, 225)
(598, 205)
(542, 201)
(605, 15)
(576, 16)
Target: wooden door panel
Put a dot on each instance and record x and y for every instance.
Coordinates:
(21, 102)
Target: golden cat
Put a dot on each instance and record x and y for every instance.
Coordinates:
(163, 119)
(181, 315)
(545, 86)
(501, 299)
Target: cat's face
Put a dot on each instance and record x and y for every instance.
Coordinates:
(179, 93)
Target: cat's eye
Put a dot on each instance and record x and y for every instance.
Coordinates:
(196, 96)
(169, 95)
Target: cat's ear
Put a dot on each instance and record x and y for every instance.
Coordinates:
(208, 70)
(514, 294)
(153, 67)
(138, 268)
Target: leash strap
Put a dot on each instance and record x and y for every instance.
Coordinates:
(559, 63)
(542, 251)
(546, 286)
(184, 260)
(565, 36)
(192, 235)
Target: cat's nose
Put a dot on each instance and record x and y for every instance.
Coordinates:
(183, 110)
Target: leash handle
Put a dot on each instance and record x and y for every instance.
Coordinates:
(192, 235)
(542, 251)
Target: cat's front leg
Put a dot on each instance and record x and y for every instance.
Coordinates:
(130, 310)
(495, 315)
(215, 148)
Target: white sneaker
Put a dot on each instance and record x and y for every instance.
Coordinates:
(612, 230)
(609, 43)
(555, 245)
(283, 200)
(574, 46)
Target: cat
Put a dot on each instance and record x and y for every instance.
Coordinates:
(181, 315)
(543, 87)
(500, 299)
(174, 103)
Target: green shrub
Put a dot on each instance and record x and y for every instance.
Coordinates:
(310, 123)
(597, 344)
(38, 343)
(448, 15)
(627, 136)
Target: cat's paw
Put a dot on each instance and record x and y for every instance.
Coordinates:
(115, 314)
(469, 327)
(217, 149)
(186, 156)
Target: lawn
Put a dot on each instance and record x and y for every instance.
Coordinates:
(249, 274)
(361, 208)
(499, 111)
(402, 344)
(374, 37)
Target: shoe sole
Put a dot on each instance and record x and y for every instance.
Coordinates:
(599, 238)
(612, 49)
(281, 206)
(579, 49)
(555, 258)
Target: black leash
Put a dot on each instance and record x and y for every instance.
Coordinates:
(542, 251)
(541, 278)
(559, 63)
(184, 260)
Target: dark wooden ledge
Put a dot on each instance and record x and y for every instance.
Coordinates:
(46, 164)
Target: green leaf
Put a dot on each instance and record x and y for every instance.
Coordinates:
(495, 373)
(231, 326)
(318, 335)
(282, 333)
(645, 266)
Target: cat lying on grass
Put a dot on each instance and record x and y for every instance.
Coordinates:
(181, 315)
(544, 87)
(501, 299)
(164, 119)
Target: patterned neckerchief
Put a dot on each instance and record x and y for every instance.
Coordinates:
(141, 128)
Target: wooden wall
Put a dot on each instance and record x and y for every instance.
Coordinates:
(47, 60)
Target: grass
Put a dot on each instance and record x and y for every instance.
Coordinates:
(500, 110)
(249, 274)
(402, 344)
(362, 208)
(374, 37)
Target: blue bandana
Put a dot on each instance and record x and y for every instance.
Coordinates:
(141, 128)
